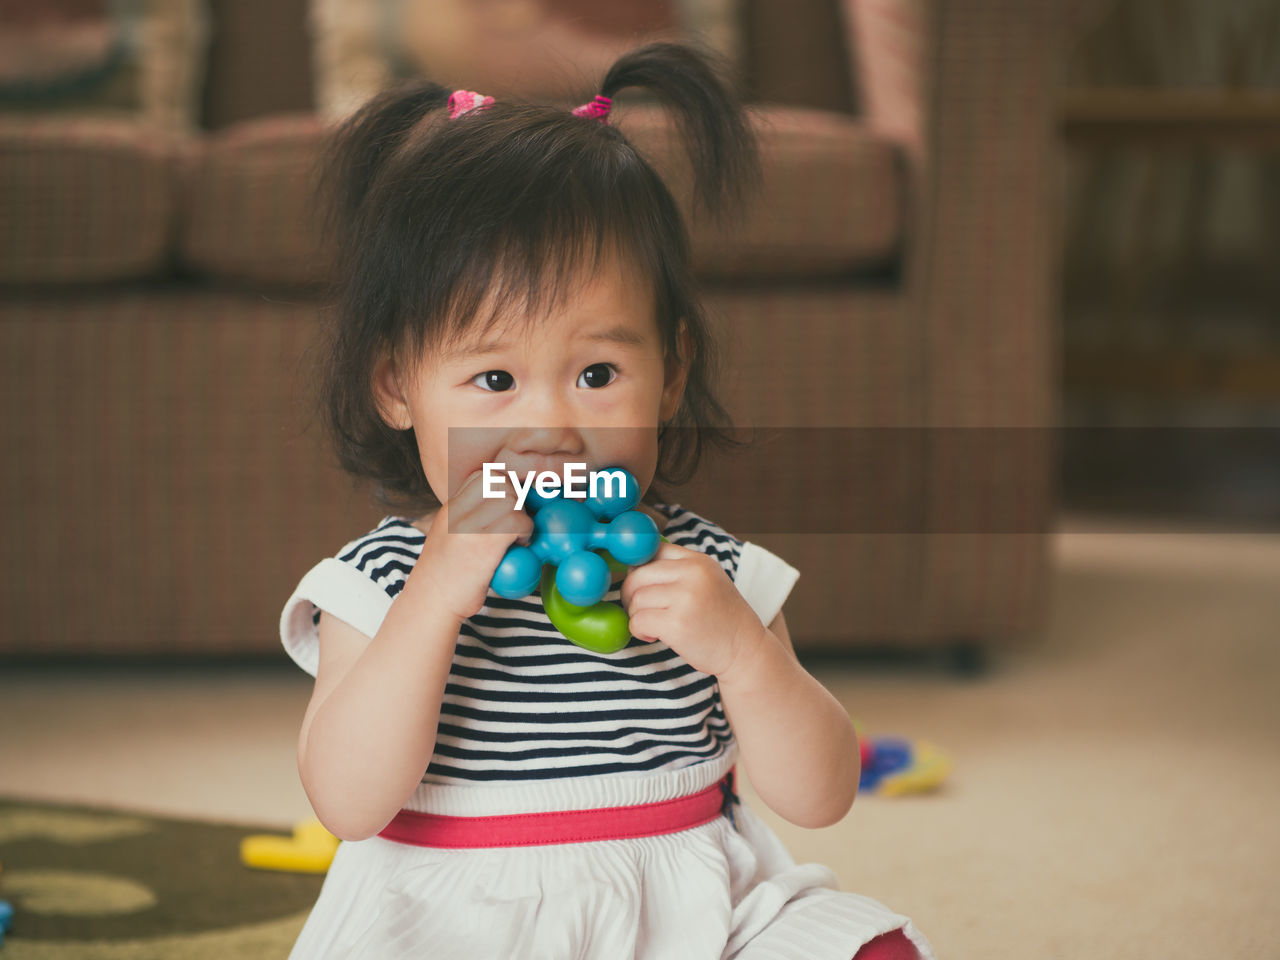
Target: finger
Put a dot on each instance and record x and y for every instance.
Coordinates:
(653, 597)
(653, 572)
(497, 518)
(469, 483)
(479, 514)
(459, 505)
(647, 625)
(475, 491)
(673, 551)
(524, 526)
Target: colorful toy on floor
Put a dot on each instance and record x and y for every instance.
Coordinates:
(560, 559)
(892, 766)
(309, 850)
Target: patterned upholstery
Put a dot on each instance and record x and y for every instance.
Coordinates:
(86, 201)
(968, 90)
(251, 210)
(831, 202)
(175, 518)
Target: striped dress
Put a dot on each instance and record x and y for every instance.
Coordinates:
(532, 723)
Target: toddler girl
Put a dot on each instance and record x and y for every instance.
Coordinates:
(514, 287)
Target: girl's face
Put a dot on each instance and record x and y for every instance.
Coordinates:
(587, 383)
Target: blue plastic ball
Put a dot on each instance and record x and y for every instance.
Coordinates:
(606, 508)
(534, 501)
(562, 528)
(518, 573)
(583, 578)
(632, 538)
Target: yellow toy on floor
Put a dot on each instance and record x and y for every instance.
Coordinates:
(309, 850)
(894, 767)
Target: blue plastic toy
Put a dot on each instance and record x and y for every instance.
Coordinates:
(565, 534)
(893, 766)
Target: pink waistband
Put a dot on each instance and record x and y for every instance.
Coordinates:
(566, 826)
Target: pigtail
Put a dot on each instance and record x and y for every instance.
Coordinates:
(361, 144)
(717, 135)
(355, 156)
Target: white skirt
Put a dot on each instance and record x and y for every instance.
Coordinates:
(713, 892)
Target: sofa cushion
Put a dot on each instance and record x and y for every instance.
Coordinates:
(250, 212)
(85, 201)
(830, 204)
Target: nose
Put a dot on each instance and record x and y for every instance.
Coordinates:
(545, 441)
(547, 428)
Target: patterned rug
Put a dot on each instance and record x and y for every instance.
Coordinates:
(94, 884)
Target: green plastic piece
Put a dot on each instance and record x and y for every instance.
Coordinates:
(603, 627)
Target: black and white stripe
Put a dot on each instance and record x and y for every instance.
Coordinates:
(523, 703)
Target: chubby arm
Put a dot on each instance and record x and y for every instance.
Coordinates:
(370, 728)
(797, 742)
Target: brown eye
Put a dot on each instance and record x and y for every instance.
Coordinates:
(597, 375)
(494, 380)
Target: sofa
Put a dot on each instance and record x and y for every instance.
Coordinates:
(167, 483)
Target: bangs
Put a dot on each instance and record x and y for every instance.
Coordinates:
(521, 283)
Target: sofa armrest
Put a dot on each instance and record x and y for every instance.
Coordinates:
(968, 89)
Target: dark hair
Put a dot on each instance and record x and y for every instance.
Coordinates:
(434, 220)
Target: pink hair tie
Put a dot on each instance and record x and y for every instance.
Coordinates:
(464, 101)
(597, 109)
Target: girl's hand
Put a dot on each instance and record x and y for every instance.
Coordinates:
(466, 542)
(685, 599)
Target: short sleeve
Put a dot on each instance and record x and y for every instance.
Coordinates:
(357, 586)
(764, 580)
(339, 589)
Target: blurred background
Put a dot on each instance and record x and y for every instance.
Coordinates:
(1170, 289)
(1003, 317)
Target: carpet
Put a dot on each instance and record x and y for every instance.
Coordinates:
(108, 885)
